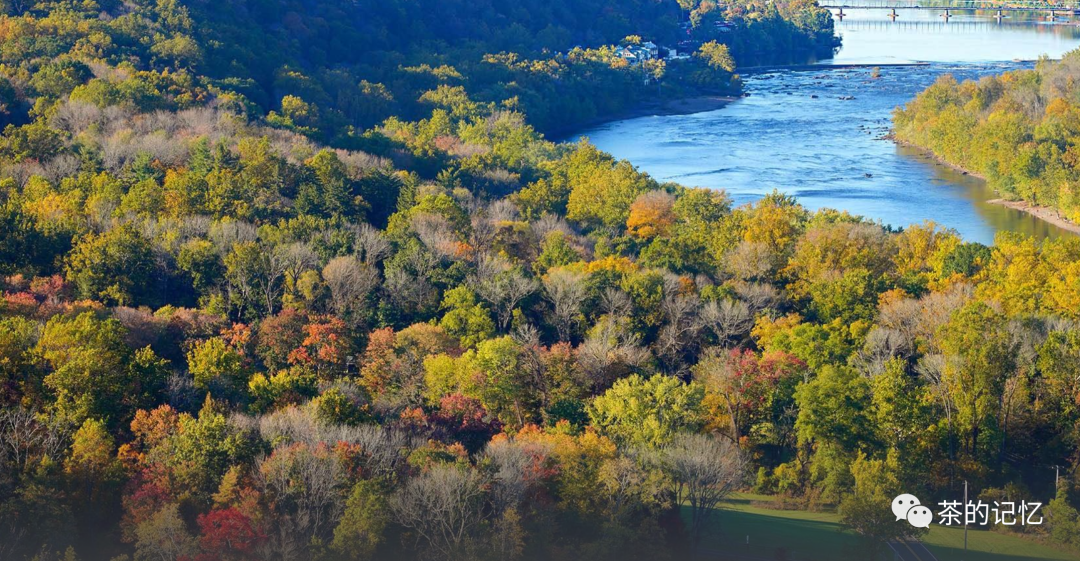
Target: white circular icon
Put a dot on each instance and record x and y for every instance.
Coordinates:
(902, 504)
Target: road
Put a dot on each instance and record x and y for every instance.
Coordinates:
(911, 550)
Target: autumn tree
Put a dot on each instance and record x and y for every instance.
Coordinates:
(117, 267)
(93, 373)
(648, 411)
(652, 214)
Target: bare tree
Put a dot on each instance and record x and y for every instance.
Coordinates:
(729, 320)
(549, 223)
(615, 302)
(436, 233)
(75, 116)
(911, 319)
(483, 232)
(384, 449)
(24, 439)
(369, 245)
(513, 464)
(610, 351)
(271, 282)
(502, 210)
(64, 165)
(881, 345)
(359, 162)
(349, 281)
(305, 488)
(566, 291)
(227, 233)
(503, 285)
(682, 325)
(442, 507)
(750, 260)
(704, 470)
(298, 257)
(758, 295)
(409, 283)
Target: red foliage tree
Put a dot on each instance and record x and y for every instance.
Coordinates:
(278, 336)
(326, 346)
(465, 420)
(227, 535)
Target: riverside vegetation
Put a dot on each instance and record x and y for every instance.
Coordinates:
(303, 281)
(1018, 130)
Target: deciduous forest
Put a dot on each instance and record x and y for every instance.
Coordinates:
(306, 281)
(1018, 130)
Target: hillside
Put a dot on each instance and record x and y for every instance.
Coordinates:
(306, 282)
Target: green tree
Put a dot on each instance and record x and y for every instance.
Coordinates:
(980, 356)
(200, 260)
(648, 412)
(116, 267)
(94, 374)
(215, 364)
(868, 508)
(465, 317)
(330, 193)
(19, 374)
(835, 419)
(602, 189)
(363, 524)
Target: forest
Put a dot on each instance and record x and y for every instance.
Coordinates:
(1019, 130)
(306, 281)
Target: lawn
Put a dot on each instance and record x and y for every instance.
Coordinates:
(948, 545)
(818, 536)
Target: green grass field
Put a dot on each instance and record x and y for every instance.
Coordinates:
(818, 536)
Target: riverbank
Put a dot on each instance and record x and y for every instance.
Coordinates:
(673, 106)
(929, 154)
(1044, 213)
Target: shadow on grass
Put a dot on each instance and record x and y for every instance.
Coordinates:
(945, 543)
(783, 536)
(742, 532)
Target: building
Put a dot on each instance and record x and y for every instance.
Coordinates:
(636, 54)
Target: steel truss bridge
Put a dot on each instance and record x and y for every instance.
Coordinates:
(948, 7)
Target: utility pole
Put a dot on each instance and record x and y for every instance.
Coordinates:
(965, 516)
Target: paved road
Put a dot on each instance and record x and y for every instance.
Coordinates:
(911, 550)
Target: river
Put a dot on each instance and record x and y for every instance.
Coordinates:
(800, 132)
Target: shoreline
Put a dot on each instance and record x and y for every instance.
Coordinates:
(702, 103)
(653, 108)
(1044, 213)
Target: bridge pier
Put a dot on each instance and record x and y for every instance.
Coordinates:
(996, 8)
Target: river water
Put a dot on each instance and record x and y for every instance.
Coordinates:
(798, 131)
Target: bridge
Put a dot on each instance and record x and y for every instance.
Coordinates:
(947, 7)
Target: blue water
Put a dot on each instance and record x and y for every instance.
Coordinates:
(796, 134)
